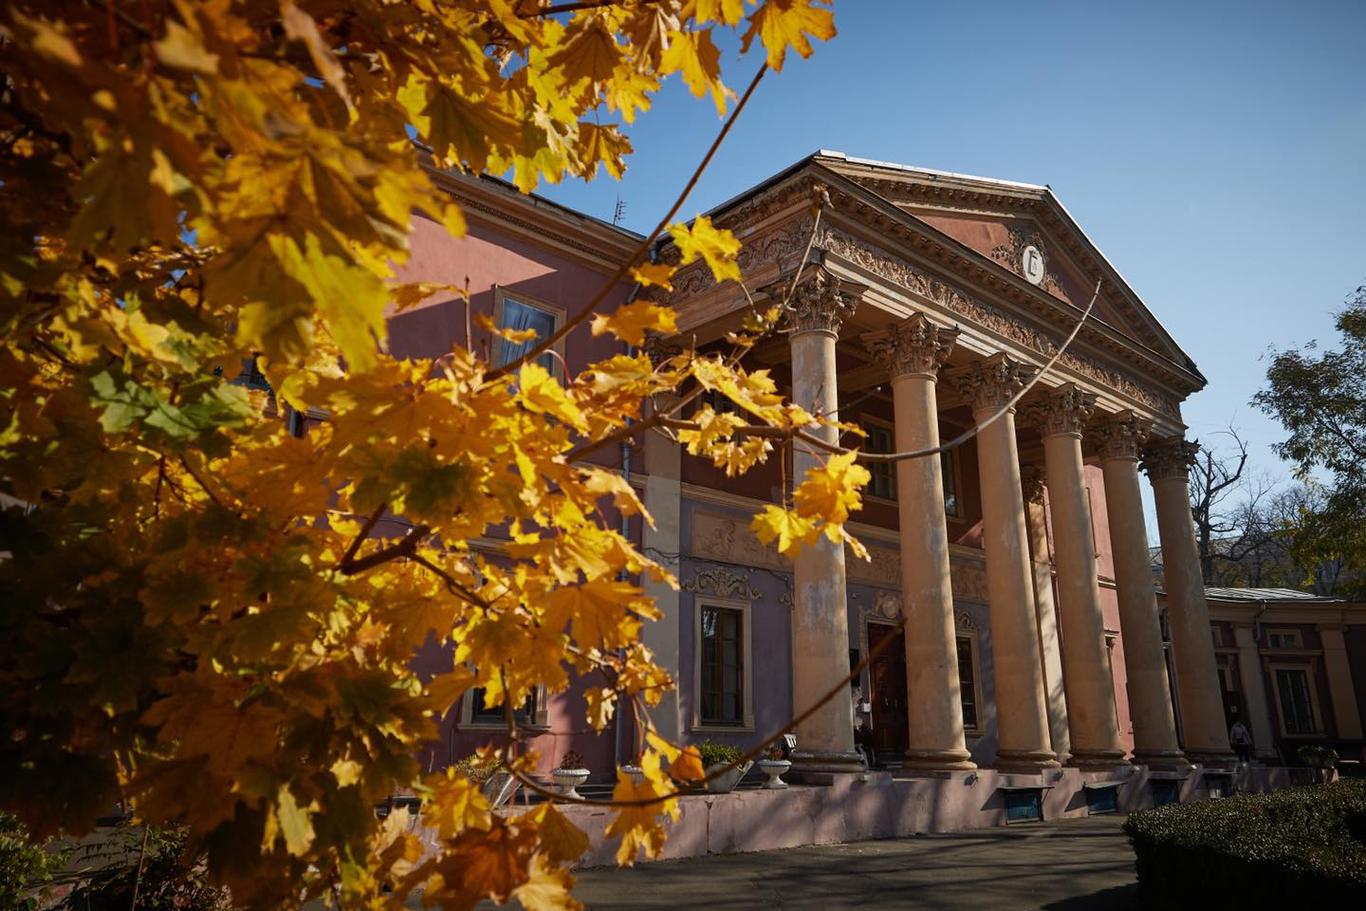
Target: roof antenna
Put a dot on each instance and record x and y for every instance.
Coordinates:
(618, 211)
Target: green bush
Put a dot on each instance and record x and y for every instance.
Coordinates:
(1296, 847)
(713, 752)
(25, 868)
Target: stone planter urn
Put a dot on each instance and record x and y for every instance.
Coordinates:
(568, 781)
(774, 769)
(725, 783)
(636, 773)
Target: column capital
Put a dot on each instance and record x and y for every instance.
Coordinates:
(1169, 458)
(915, 347)
(819, 304)
(1032, 483)
(990, 383)
(1123, 436)
(1065, 410)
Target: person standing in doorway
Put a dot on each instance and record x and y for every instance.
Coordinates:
(1241, 739)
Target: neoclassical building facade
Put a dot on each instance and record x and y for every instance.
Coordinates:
(1018, 559)
(1007, 614)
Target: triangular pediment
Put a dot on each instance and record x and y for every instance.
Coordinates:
(1021, 228)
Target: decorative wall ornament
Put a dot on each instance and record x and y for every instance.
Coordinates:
(720, 582)
(887, 604)
(1012, 255)
(915, 347)
(915, 279)
(990, 383)
(1169, 458)
(658, 350)
(781, 249)
(964, 620)
(1065, 410)
(819, 305)
(1123, 436)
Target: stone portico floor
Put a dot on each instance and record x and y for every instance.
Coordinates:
(1072, 865)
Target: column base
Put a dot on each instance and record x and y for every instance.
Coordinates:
(939, 760)
(1096, 760)
(1026, 761)
(826, 761)
(1161, 760)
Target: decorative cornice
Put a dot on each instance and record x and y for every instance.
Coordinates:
(991, 382)
(720, 582)
(819, 304)
(918, 280)
(1032, 482)
(1169, 458)
(916, 347)
(1065, 410)
(1123, 436)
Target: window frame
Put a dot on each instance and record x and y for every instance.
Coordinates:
(974, 644)
(468, 722)
(1297, 638)
(1316, 712)
(867, 422)
(745, 609)
(559, 314)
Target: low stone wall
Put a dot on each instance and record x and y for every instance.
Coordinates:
(878, 805)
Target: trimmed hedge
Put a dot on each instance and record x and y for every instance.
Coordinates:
(1290, 848)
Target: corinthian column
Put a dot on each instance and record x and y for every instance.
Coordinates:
(820, 622)
(1202, 709)
(913, 353)
(1093, 729)
(1150, 700)
(1050, 646)
(1021, 710)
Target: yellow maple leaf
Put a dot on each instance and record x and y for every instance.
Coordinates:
(561, 840)
(695, 56)
(831, 491)
(640, 827)
(726, 11)
(781, 24)
(546, 888)
(718, 246)
(455, 804)
(633, 320)
(541, 393)
(656, 274)
(790, 530)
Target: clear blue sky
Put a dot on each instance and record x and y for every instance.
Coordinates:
(1215, 151)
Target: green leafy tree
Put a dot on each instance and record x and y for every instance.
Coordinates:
(1319, 396)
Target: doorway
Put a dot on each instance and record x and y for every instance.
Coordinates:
(887, 693)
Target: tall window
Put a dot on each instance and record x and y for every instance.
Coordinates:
(883, 483)
(515, 314)
(1297, 707)
(482, 714)
(722, 666)
(948, 467)
(967, 682)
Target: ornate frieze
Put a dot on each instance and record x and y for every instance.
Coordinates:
(720, 582)
(1065, 410)
(1169, 458)
(915, 279)
(916, 347)
(658, 350)
(1123, 436)
(782, 248)
(887, 604)
(818, 304)
(993, 381)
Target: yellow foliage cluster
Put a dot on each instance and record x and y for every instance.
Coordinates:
(202, 617)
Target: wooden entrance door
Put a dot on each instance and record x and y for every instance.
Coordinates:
(887, 679)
